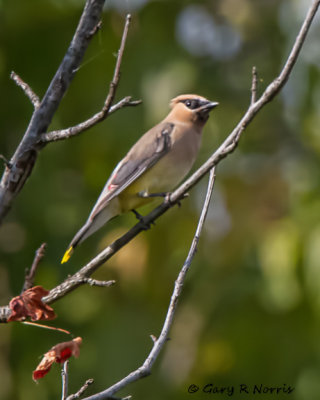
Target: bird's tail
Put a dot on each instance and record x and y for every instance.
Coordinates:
(81, 235)
(92, 225)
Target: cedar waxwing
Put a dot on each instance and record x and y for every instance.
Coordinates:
(159, 160)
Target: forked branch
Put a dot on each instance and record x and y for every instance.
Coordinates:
(19, 168)
(226, 148)
(158, 344)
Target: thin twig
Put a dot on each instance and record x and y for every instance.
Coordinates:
(49, 327)
(116, 75)
(65, 379)
(89, 123)
(80, 392)
(145, 368)
(254, 85)
(275, 86)
(26, 89)
(106, 109)
(30, 275)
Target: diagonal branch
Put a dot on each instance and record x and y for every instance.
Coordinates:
(159, 343)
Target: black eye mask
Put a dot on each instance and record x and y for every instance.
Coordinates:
(192, 103)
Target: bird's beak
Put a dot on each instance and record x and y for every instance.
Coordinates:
(209, 106)
(206, 108)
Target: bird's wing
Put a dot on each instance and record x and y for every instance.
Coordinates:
(144, 154)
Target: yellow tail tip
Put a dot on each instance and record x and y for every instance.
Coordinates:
(67, 255)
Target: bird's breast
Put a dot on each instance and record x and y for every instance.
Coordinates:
(167, 173)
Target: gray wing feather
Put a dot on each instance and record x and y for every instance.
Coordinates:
(131, 168)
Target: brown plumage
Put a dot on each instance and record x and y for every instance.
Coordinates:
(159, 160)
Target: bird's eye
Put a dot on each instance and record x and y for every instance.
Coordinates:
(192, 104)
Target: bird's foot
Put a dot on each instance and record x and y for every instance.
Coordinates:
(166, 195)
(140, 218)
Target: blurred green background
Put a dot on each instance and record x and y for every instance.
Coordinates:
(250, 309)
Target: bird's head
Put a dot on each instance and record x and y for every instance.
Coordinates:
(192, 108)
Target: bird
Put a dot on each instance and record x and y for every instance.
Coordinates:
(156, 164)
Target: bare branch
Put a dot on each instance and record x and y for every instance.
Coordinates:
(80, 392)
(26, 89)
(125, 102)
(275, 86)
(25, 155)
(65, 380)
(159, 343)
(89, 123)
(116, 75)
(30, 275)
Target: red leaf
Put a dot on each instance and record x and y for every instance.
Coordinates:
(40, 374)
(45, 365)
(59, 354)
(64, 355)
(29, 304)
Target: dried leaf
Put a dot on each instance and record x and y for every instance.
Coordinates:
(29, 304)
(59, 354)
(44, 367)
